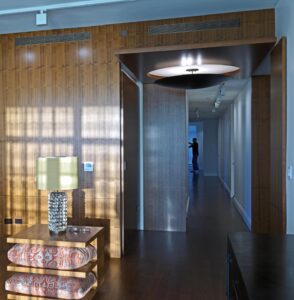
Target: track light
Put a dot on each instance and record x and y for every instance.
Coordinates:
(221, 93)
(197, 113)
(41, 18)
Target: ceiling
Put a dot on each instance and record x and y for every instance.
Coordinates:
(202, 100)
(246, 57)
(136, 10)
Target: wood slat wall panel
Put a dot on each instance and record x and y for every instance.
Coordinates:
(261, 162)
(278, 138)
(63, 99)
(252, 26)
(131, 144)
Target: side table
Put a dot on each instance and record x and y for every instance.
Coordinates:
(39, 234)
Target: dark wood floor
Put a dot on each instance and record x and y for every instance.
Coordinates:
(177, 266)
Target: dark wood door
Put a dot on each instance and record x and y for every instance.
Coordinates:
(269, 146)
(278, 138)
(131, 152)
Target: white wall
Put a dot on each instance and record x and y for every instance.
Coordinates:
(224, 148)
(210, 147)
(242, 152)
(200, 144)
(235, 130)
(285, 27)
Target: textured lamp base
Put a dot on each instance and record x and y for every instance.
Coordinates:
(57, 212)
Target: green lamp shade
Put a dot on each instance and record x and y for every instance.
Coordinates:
(57, 173)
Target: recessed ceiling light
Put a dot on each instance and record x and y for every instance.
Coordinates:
(184, 61)
(189, 61)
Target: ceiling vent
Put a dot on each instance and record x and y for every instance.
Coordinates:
(48, 39)
(192, 27)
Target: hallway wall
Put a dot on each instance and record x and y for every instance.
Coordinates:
(242, 152)
(241, 118)
(285, 27)
(224, 148)
(130, 103)
(210, 141)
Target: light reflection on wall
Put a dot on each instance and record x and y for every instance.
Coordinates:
(108, 116)
(50, 131)
(31, 132)
(106, 180)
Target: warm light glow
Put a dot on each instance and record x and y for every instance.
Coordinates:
(92, 126)
(60, 130)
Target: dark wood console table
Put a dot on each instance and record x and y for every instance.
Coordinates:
(260, 267)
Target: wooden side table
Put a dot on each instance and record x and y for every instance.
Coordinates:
(39, 234)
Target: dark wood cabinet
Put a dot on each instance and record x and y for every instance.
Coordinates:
(260, 267)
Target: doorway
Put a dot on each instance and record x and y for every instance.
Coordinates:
(140, 64)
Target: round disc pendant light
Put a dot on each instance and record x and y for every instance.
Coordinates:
(193, 77)
(192, 81)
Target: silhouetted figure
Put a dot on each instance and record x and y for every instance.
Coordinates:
(195, 151)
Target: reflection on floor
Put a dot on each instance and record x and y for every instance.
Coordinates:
(177, 266)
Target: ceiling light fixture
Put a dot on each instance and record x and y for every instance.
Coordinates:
(221, 93)
(192, 81)
(189, 61)
(183, 70)
(194, 76)
(41, 18)
(184, 61)
(197, 113)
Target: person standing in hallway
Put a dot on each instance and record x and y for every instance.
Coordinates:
(195, 152)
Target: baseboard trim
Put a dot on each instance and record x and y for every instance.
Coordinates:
(225, 185)
(210, 174)
(187, 206)
(242, 213)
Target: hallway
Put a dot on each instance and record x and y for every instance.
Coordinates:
(179, 266)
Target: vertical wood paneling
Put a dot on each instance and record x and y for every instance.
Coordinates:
(55, 105)
(261, 152)
(278, 138)
(165, 158)
(131, 145)
(63, 99)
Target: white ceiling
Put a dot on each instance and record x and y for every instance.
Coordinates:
(203, 100)
(137, 10)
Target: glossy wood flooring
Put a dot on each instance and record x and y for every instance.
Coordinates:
(177, 266)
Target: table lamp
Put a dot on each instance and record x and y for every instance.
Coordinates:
(57, 174)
